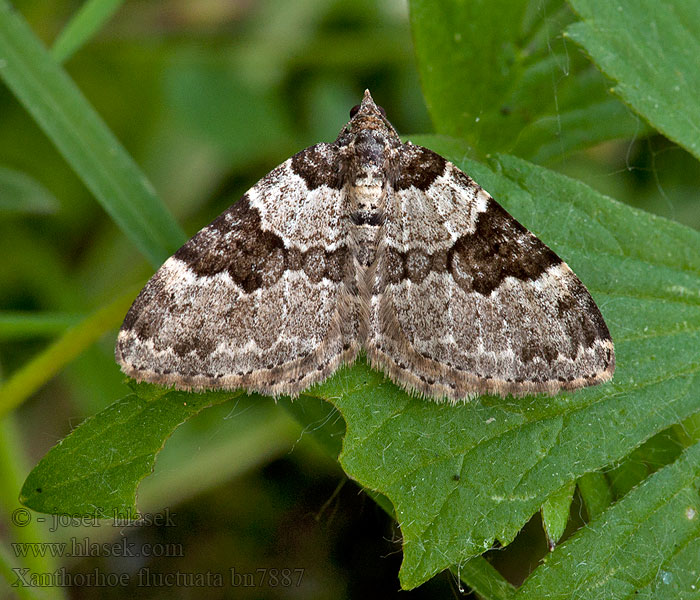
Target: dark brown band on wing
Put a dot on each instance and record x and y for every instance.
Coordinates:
(318, 165)
(500, 247)
(418, 167)
(479, 261)
(234, 242)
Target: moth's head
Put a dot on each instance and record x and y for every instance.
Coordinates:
(368, 116)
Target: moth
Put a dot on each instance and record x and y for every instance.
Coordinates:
(367, 244)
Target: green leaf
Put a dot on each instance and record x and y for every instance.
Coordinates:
(498, 74)
(228, 442)
(323, 421)
(460, 477)
(551, 136)
(95, 470)
(660, 450)
(555, 513)
(320, 419)
(92, 15)
(651, 49)
(484, 580)
(20, 193)
(83, 139)
(595, 492)
(645, 546)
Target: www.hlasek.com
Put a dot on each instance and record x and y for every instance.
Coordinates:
(145, 577)
(85, 548)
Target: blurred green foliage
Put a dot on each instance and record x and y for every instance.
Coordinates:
(207, 97)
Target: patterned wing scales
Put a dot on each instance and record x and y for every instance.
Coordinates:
(445, 290)
(219, 313)
(486, 307)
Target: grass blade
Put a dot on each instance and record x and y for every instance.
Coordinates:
(40, 369)
(86, 22)
(83, 139)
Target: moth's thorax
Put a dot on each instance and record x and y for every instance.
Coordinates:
(366, 174)
(366, 186)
